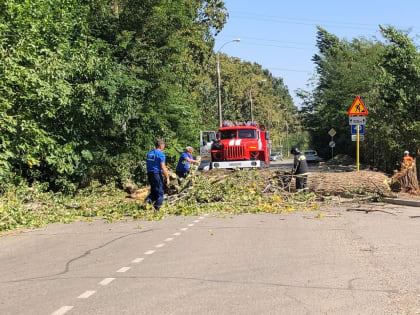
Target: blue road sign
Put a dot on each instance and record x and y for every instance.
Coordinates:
(361, 129)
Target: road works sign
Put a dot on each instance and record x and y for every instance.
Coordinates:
(357, 108)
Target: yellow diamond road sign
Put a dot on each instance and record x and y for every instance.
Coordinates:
(332, 132)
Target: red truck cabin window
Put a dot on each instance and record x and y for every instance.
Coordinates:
(247, 134)
(228, 134)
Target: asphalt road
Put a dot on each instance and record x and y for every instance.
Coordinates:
(286, 163)
(295, 263)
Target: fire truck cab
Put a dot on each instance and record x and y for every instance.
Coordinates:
(241, 146)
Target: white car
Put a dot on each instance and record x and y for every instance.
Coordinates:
(275, 156)
(311, 156)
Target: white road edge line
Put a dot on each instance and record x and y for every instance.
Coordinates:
(86, 294)
(196, 221)
(177, 234)
(206, 214)
(137, 260)
(201, 218)
(62, 310)
(160, 245)
(106, 281)
(169, 239)
(123, 269)
(184, 229)
(149, 252)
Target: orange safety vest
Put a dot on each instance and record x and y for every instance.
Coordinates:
(408, 158)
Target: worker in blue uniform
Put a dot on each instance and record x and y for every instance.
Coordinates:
(183, 166)
(300, 169)
(156, 169)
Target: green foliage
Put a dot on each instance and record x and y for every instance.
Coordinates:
(386, 76)
(31, 207)
(87, 87)
(242, 192)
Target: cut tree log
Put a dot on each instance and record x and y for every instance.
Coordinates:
(406, 179)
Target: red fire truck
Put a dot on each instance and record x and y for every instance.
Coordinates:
(237, 146)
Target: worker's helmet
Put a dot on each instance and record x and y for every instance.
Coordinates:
(295, 151)
(406, 152)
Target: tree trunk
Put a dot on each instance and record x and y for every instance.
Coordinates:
(406, 179)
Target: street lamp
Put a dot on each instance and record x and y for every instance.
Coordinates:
(250, 98)
(219, 96)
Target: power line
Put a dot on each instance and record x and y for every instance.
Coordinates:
(313, 21)
(277, 46)
(289, 70)
(267, 40)
(298, 20)
(300, 23)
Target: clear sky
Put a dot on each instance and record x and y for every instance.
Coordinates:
(280, 35)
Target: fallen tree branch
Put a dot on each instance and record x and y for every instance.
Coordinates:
(369, 210)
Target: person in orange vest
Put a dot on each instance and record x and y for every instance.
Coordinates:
(407, 157)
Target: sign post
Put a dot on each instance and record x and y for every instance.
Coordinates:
(358, 149)
(332, 133)
(357, 109)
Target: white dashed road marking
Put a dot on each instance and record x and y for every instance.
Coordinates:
(62, 310)
(106, 281)
(86, 294)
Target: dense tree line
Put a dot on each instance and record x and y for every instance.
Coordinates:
(386, 75)
(87, 86)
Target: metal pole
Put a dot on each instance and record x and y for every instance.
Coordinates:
(357, 146)
(250, 100)
(219, 96)
(287, 137)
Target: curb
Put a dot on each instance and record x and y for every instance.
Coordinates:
(402, 202)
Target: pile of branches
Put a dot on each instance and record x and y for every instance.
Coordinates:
(233, 191)
(406, 180)
(239, 191)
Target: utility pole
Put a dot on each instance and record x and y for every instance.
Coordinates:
(219, 81)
